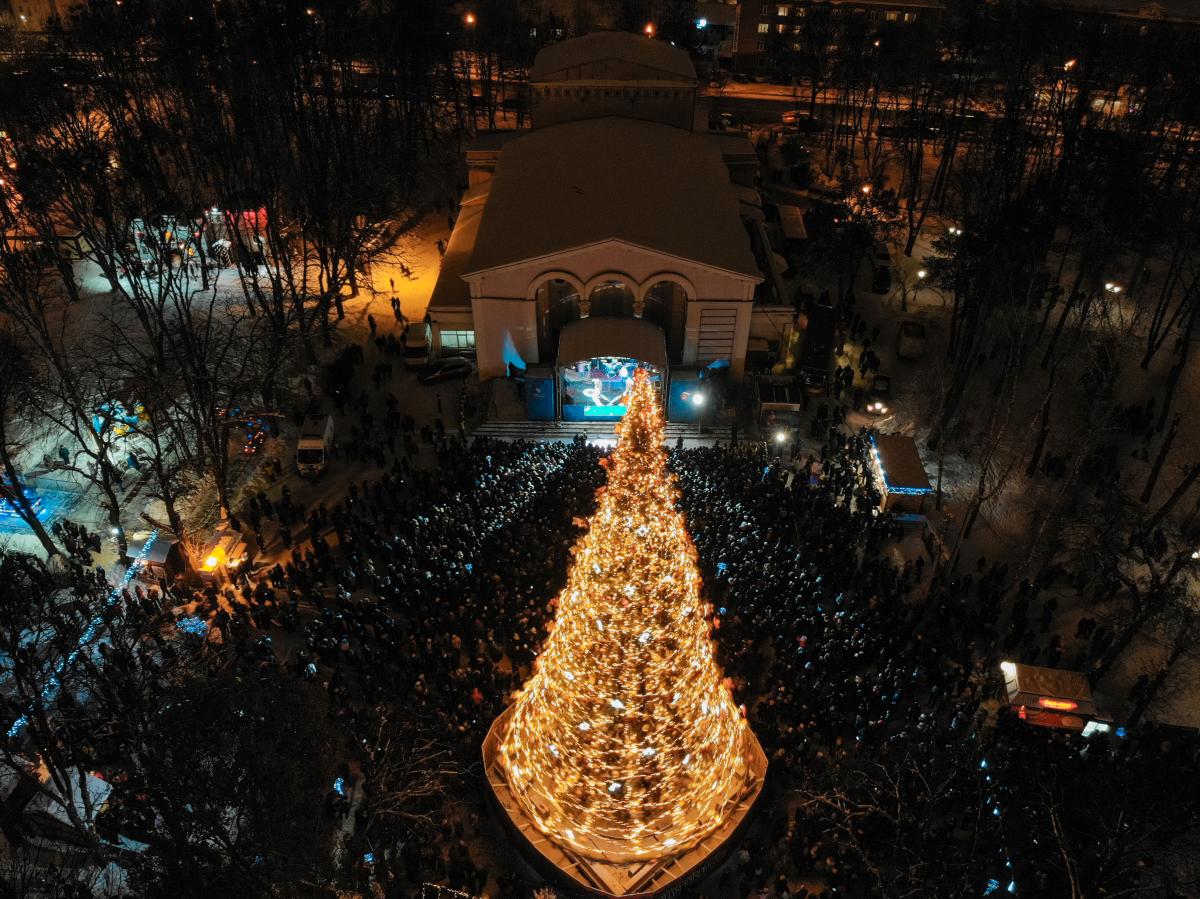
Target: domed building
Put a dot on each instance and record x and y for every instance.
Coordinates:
(606, 238)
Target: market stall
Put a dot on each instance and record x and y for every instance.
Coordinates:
(1051, 697)
(899, 473)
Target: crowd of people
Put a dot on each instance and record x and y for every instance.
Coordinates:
(420, 601)
(423, 598)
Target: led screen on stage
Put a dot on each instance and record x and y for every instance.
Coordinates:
(595, 389)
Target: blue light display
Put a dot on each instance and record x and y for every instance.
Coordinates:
(50, 691)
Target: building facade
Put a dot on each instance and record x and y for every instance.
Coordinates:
(615, 219)
(768, 30)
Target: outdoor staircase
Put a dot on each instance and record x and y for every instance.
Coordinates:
(592, 430)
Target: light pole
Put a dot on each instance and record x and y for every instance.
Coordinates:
(781, 439)
(472, 62)
(698, 401)
(921, 276)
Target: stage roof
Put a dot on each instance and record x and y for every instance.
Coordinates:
(599, 335)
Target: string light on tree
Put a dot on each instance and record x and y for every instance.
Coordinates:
(626, 744)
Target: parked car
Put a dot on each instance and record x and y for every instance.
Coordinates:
(417, 345)
(448, 368)
(881, 279)
(910, 343)
(803, 122)
(878, 398)
(816, 354)
(313, 445)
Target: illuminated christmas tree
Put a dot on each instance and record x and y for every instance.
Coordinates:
(626, 744)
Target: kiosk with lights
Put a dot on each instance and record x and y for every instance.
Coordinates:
(1051, 697)
(223, 556)
(899, 474)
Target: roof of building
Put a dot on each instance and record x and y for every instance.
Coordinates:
(598, 335)
(900, 463)
(734, 146)
(1026, 683)
(582, 183)
(612, 56)
(492, 141)
(451, 291)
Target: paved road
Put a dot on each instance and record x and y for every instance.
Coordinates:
(754, 110)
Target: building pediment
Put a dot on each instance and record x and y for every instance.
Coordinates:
(613, 256)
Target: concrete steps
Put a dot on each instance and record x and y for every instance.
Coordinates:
(592, 430)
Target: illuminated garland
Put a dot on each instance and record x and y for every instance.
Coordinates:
(626, 744)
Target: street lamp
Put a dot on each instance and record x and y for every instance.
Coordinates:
(649, 29)
(698, 399)
(469, 18)
(1112, 287)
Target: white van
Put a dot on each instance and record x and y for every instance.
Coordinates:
(417, 344)
(314, 445)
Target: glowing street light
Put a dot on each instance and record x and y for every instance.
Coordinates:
(1069, 64)
(866, 189)
(698, 400)
(649, 29)
(1112, 287)
(921, 274)
(781, 436)
(469, 18)
(702, 23)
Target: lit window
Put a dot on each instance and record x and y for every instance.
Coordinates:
(458, 340)
(781, 28)
(892, 16)
(910, 17)
(797, 46)
(797, 29)
(763, 28)
(760, 46)
(783, 11)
